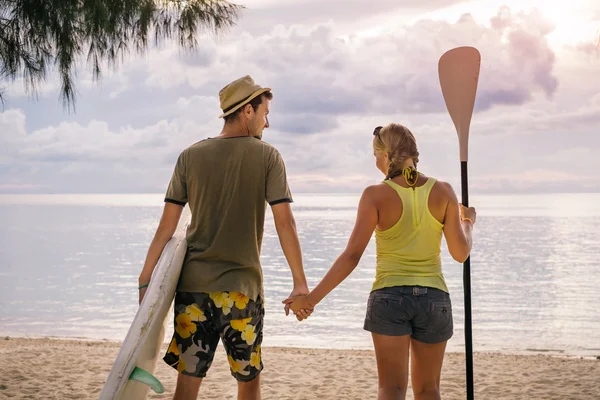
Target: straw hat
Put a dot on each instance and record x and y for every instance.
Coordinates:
(238, 93)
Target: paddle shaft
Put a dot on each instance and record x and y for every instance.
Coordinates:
(467, 289)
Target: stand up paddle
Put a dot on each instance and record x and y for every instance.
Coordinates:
(459, 72)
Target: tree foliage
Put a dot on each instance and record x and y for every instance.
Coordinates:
(37, 35)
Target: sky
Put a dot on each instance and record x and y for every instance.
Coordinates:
(337, 69)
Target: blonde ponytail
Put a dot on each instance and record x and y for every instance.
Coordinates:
(399, 144)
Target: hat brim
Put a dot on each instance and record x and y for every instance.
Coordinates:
(248, 100)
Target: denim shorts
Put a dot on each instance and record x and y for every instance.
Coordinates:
(201, 319)
(424, 313)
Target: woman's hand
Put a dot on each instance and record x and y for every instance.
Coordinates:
(299, 305)
(468, 214)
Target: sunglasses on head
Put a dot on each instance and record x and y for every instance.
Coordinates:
(376, 131)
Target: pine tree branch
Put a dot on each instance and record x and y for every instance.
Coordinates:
(38, 34)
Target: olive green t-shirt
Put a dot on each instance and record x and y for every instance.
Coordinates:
(228, 183)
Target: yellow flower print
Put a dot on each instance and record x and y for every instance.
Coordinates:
(196, 314)
(217, 297)
(173, 347)
(222, 300)
(240, 299)
(235, 365)
(240, 324)
(181, 365)
(255, 358)
(185, 327)
(249, 335)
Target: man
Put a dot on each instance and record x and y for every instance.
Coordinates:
(227, 181)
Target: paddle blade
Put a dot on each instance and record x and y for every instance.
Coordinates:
(459, 72)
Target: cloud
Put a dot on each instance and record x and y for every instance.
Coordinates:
(538, 181)
(12, 129)
(534, 108)
(304, 123)
(71, 157)
(19, 88)
(313, 70)
(12, 124)
(261, 16)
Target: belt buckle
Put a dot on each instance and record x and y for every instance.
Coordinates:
(417, 291)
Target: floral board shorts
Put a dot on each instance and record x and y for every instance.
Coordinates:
(201, 319)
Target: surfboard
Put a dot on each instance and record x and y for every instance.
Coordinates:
(131, 376)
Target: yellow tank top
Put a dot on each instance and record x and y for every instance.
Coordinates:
(408, 254)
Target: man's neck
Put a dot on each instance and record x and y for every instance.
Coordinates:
(234, 130)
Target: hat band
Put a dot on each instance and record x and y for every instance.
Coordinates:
(236, 104)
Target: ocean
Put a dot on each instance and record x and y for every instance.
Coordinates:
(69, 266)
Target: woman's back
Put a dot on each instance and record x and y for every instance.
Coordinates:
(409, 233)
(390, 207)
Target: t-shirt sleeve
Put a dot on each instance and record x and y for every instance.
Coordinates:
(177, 191)
(278, 190)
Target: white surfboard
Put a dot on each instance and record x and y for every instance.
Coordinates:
(131, 375)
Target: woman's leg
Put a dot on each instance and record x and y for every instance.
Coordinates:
(392, 365)
(426, 368)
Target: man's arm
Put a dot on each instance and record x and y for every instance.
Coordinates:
(288, 238)
(164, 232)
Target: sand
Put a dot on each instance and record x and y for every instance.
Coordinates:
(76, 369)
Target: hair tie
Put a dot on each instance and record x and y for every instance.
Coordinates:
(411, 175)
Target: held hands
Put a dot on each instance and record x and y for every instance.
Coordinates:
(299, 305)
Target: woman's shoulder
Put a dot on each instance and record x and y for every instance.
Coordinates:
(438, 182)
(376, 191)
(377, 188)
(443, 189)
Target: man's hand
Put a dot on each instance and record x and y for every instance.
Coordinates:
(142, 292)
(164, 232)
(299, 305)
(298, 291)
(303, 314)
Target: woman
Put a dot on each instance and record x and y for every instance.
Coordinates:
(409, 309)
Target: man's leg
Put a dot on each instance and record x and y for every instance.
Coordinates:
(187, 387)
(241, 334)
(249, 390)
(195, 340)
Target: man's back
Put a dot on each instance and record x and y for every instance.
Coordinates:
(227, 182)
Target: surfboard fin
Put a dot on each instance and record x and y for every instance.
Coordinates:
(145, 377)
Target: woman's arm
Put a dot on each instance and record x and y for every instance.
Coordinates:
(457, 229)
(366, 221)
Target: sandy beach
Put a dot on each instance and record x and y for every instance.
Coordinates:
(71, 369)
